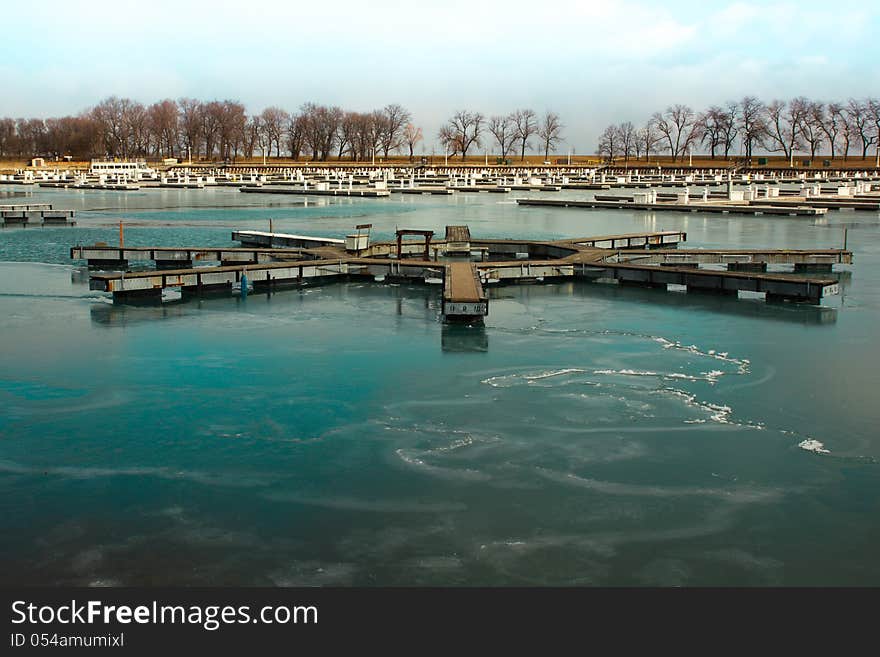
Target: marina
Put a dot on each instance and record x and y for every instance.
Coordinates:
(302, 298)
(588, 335)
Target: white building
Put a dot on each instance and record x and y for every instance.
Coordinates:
(131, 169)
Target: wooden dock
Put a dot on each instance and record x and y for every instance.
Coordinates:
(832, 203)
(713, 207)
(736, 259)
(283, 240)
(36, 214)
(25, 207)
(631, 240)
(310, 191)
(626, 259)
(199, 280)
(169, 257)
(463, 296)
(776, 287)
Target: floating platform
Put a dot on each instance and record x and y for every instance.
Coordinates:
(308, 191)
(45, 217)
(126, 285)
(737, 259)
(626, 259)
(776, 287)
(435, 191)
(98, 255)
(838, 203)
(26, 207)
(283, 240)
(631, 240)
(486, 189)
(716, 207)
(463, 296)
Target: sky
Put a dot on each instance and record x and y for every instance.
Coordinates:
(594, 63)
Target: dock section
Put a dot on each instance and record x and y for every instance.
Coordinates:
(463, 296)
(713, 207)
(647, 259)
(284, 240)
(35, 214)
(165, 257)
(126, 285)
(737, 259)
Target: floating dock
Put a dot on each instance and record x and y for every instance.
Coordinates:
(627, 259)
(463, 296)
(714, 207)
(35, 214)
(178, 257)
(311, 191)
(283, 240)
(206, 279)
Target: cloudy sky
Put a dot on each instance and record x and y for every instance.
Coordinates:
(593, 62)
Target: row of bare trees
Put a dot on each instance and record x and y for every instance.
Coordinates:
(511, 133)
(786, 127)
(120, 127)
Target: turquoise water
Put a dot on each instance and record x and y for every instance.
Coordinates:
(341, 435)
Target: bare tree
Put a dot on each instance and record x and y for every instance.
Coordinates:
(550, 131)
(462, 131)
(71, 135)
(295, 136)
(829, 119)
(677, 128)
(860, 120)
(503, 129)
(784, 125)
(394, 120)
(109, 115)
(252, 136)
(873, 107)
(411, 136)
(164, 123)
(728, 127)
(626, 140)
(646, 140)
(320, 128)
(8, 139)
(751, 123)
(191, 124)
(708, 128)
(136, 133)
(608, 144)
(211, 118)
(231, 127)
(848, 132)
(526, 125)
(811, 126)
(347, 133)
(274, 121)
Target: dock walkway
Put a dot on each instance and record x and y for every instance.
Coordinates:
(718, 207)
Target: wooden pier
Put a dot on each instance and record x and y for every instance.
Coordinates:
(176, 257)
(626, 259)
(310, 191)
(283, 240)
(206, 279)
(463, 296)
(737, 259)
(35, 214)
(661, 206)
